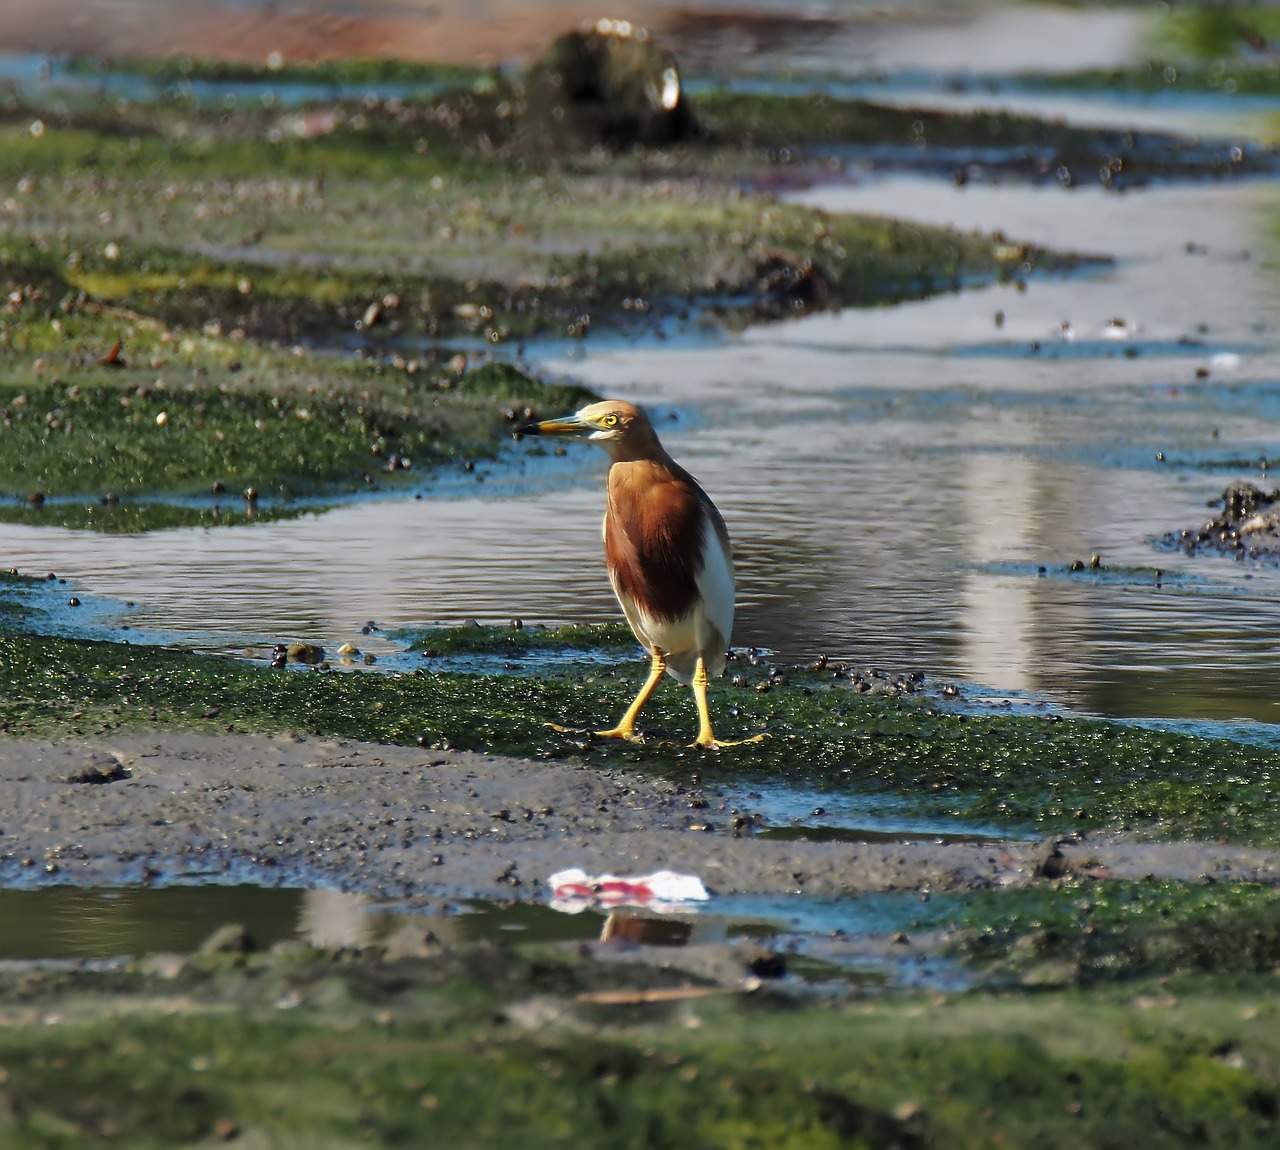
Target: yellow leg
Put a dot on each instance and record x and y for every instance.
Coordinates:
(706, 738)
(626, 725)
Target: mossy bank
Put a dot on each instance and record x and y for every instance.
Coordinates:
(1045, 775)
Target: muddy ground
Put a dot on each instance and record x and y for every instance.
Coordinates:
(397, 821)
(1096, 1017)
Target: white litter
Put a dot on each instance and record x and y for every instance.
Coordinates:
(574, 891)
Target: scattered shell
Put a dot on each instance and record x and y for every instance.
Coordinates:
(309, 653)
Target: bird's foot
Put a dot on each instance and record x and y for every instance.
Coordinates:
(711, 743)
(627, 734)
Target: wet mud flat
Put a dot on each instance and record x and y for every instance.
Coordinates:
(1058, 931)
(1079, 966)
(628, 1039)
(225, 309)
(404, 822)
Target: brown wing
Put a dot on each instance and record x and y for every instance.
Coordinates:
(653, 537)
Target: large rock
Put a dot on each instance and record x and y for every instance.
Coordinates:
(610, 84)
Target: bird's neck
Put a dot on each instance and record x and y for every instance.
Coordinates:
(652, 453)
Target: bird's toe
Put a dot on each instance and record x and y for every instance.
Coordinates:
(714, 744)
(626, 734)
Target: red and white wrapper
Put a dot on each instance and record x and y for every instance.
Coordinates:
(574, 891)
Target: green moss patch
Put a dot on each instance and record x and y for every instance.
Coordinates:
(127, 518)
(103, 401)
(465, 1045)
(371, 71)
(1105, 931)
(480, 640)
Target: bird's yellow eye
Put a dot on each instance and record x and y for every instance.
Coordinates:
(609, 420)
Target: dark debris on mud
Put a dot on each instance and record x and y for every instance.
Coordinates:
(1247, 527)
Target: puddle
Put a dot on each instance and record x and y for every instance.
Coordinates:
(96, 924)
(793, 812)
(74, 922)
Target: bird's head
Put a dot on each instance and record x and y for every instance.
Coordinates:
(619, 427)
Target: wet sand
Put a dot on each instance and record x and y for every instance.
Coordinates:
(403, 822)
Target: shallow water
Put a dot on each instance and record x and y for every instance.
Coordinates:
(77, 923)
(893, 478)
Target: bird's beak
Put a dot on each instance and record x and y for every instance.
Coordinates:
(564, 425)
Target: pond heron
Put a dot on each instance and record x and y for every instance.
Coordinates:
(667, 552)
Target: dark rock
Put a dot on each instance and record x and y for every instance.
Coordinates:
(790, 283)
(610, 84)
(100, 768)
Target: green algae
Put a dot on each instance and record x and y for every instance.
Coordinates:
(90, 435)
(763, 120)
(377, 72)
(797, 130)
(128, 518)
(98, 400)
(1219, 31)
(463, 219)
(522, 640)
(1238, 77)
(1023, 772)
(1093, 932)
(466, 1044)
(82, 438)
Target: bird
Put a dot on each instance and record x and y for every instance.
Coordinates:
(668, 555)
